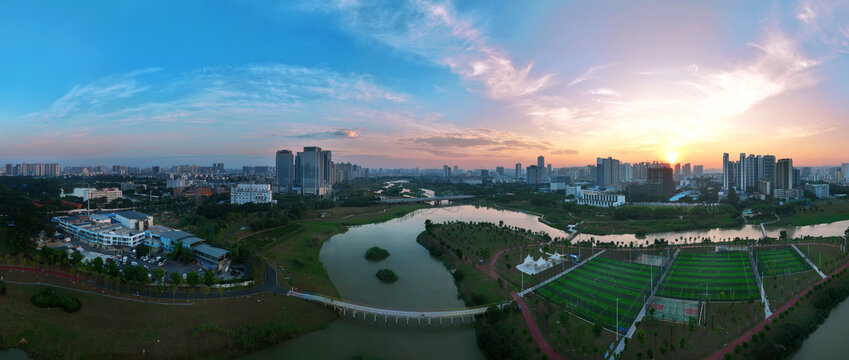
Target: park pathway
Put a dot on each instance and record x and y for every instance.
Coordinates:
(534, 329)
(809, 262)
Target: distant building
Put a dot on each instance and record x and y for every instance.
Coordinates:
(677, 170)
(659, 185)
(607, 171)
(765, 187)
(285, 177)
(820, 190)
(518, 171)
(726, 172)
(134, 220)
(499, 171)
(251, 193)
(698, 170)
(783, 174)
(601, 199)
(446, 171)
(535, 174)
(311, 167)
(559, 183)
(108, 193)
(686, 170)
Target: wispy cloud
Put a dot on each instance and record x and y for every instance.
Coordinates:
(475, 142)
(333, 134)
(437, 34)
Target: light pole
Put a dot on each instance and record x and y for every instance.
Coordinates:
(617, 319)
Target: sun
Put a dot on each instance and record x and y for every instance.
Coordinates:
(671, 157)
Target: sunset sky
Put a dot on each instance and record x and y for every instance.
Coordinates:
(421, 84)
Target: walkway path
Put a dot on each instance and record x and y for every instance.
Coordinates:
(809, 261)
(386, 313)
(534, 329)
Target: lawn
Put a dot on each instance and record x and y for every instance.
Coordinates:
(569, 335)
(106, 328)
(683, 223)
(591, 291)
(724, 276)
(827, 258)
(780, 288)
(780, 261)
(817, 214)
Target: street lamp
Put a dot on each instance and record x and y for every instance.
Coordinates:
(617, 319)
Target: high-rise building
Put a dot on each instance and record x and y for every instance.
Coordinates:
(626, 173)
(661, 173)
(752, 171)
(311, 171)
(9, 169)
(535, 174)
(783, 175)
(540, 161)
(686, 170)
(677, 170)
(446, 171)
(548, 170)
(285, 179)
(607, 171)
(499, 171)
(769, 168)
(518, 170)
(845, 167)
(456, 170)
(726, 172)
(742, 175)
(698, 170)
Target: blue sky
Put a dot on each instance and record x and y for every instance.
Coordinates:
(419, 84)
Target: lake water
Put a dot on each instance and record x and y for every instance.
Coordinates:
(14, 354)
(424, 283)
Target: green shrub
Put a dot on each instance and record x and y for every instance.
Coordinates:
(386, 275)
(376, 254)
(49, 298)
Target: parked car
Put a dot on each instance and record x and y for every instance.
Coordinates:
(161, 263)
(134, 263)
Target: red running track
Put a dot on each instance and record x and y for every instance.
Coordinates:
(43, 271)
(532, 326)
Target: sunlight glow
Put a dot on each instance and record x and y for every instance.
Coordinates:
(671, 157)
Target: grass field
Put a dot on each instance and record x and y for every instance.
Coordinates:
(724, 276)
(107, 328)
(780, 261)
(816, 214)
(591, 291)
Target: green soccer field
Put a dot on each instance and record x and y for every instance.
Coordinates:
(591, 291)
(781, 261)
(713, 276)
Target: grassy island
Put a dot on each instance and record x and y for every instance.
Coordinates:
(376, 254)
(48, 298)
(387, 276)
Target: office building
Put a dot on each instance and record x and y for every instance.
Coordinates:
(698, 170)
(446, 171)
(686, 170)
(659, 184)
(284, 161)
(820, 190)
(677, 170)
(783, 175)
(601, 199)
(518, 171)
(251, 193)
(607, 171)
(311, 169)
(108, 193)
(540, 161)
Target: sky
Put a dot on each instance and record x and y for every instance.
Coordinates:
(422, 83)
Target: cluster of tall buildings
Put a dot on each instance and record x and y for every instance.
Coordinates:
(758, 173)
(25, 169)
(312, 171)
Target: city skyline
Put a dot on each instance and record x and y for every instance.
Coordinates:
(421, 84)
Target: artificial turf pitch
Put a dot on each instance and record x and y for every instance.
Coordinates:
(591, 291)
(726, 276)
(781, 261)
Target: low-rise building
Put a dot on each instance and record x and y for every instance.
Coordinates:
(820, 190)
(601, 199)
(251, 193)
(108, 193)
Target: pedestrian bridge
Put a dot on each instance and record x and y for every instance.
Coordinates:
(400, 316)
(425, 199)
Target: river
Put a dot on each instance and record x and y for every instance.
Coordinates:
(828, 341)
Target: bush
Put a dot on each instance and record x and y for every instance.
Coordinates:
(376, 254)
(387, 276)
(49, 298)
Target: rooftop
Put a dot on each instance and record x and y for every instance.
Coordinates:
(131, 214)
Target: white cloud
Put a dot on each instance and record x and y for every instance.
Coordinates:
(435, 33)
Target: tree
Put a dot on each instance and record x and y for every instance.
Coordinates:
(158, 274)
(96, 265)
(782, 235)
(208, 278)
(192, 278)
(76, 259)
(142, 250)
(112, 269)
(175, 278)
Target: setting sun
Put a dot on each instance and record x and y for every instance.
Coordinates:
(671, 157)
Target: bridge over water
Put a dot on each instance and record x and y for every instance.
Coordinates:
(423, 199)
(400, 316)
